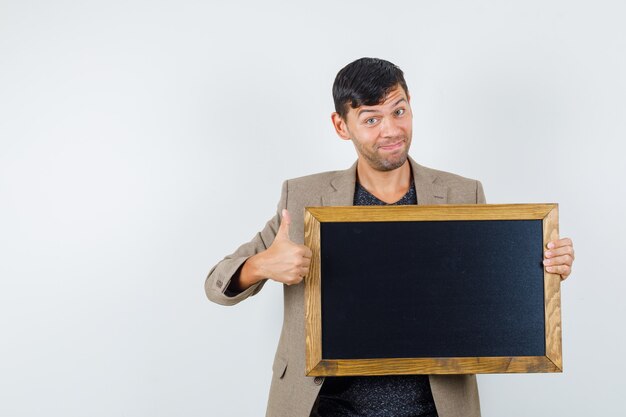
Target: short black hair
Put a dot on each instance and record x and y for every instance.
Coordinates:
(366, 81)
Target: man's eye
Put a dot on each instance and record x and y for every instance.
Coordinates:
(371, 121)
(400, 112)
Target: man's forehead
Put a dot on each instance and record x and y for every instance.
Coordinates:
(393, 98)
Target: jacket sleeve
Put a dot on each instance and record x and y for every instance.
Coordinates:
(219, 277)
(480, 194)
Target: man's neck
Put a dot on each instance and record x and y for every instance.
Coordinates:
(388, 186)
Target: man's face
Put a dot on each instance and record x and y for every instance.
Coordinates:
(382, 133)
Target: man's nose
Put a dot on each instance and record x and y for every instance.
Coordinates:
(390, 127)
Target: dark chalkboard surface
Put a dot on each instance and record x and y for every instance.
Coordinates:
(431, 290)
(458, 288)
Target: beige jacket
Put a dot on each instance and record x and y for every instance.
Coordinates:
(292, 394)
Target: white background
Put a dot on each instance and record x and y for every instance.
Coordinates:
(141, 141)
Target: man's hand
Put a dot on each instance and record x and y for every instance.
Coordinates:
(559, 257)
(284, 261)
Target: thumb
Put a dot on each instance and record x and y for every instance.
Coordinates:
(283, 230)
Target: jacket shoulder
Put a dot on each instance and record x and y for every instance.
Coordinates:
(448, 178)
(460, 190)
(320, 177)
(314, 184)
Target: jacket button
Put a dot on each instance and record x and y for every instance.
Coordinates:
(318, 380)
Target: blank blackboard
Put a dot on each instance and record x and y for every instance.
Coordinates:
(439, 292)
(458, 288)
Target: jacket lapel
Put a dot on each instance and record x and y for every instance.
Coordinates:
(428, 192)
(341, 189)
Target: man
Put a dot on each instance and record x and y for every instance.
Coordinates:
(372, 109)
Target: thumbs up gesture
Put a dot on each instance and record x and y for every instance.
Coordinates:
(285, 261)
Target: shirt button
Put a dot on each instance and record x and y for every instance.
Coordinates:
(318, 380)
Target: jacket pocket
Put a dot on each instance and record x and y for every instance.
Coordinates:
(279, 367)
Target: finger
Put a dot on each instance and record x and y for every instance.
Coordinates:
(283, 229)
(563, 250)
(294, 280)
(566, 241)
(559, 260)
(563, 270)
(305, 252)
(306, 263)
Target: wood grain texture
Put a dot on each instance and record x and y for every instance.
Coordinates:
(552, 295)
(429, 366)
(312, 294)
(441, 212)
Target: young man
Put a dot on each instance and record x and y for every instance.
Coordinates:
(372, 109)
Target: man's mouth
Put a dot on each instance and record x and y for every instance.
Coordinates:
(392, 146)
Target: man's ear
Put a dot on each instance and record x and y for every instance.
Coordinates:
(340, 126)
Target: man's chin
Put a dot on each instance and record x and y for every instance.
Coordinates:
(391, 164)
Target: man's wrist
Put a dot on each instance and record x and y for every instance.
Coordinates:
(249, 273)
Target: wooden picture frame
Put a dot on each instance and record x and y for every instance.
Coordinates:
(352, 350)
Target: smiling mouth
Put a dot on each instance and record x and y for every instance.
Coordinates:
(392, 146)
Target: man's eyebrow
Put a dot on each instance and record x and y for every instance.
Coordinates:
(398, 102)
(365, 111)
(374, 111)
